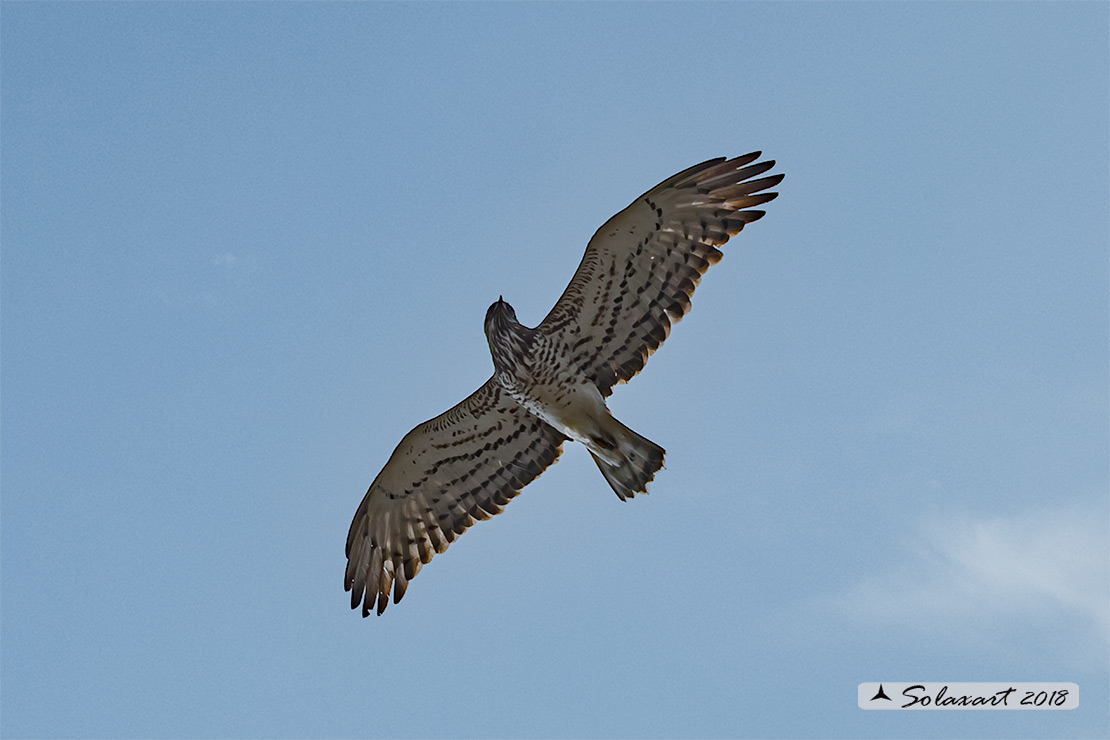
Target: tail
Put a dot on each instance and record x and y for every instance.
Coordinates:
(639, 459)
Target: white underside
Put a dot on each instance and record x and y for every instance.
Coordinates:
(580, 414)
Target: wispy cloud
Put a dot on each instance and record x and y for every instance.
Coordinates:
(226, 259)
(969, 574)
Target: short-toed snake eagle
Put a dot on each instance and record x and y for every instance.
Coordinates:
(550, 383)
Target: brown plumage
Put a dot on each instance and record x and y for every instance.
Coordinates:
(549, 383)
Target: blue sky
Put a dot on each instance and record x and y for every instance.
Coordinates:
(246, 247)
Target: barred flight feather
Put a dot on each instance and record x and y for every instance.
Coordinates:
(679, 224)
(391, 536)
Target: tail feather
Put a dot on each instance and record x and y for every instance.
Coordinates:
(640, 460)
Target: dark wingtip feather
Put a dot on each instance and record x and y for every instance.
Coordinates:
(755, 186)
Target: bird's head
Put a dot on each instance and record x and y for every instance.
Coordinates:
(499, 317)
(508, 340)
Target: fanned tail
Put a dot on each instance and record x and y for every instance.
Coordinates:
(640, 460)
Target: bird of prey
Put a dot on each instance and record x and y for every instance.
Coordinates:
(550, 383)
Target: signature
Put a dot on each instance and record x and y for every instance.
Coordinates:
(917, 695)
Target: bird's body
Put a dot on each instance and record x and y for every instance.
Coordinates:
(539, 371)
(550, 382)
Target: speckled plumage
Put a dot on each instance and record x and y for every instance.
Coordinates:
(549, 383)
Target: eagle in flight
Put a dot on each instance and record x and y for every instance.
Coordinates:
(549, 383)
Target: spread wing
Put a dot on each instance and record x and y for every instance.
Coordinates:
(462, 465)
(642, 266)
